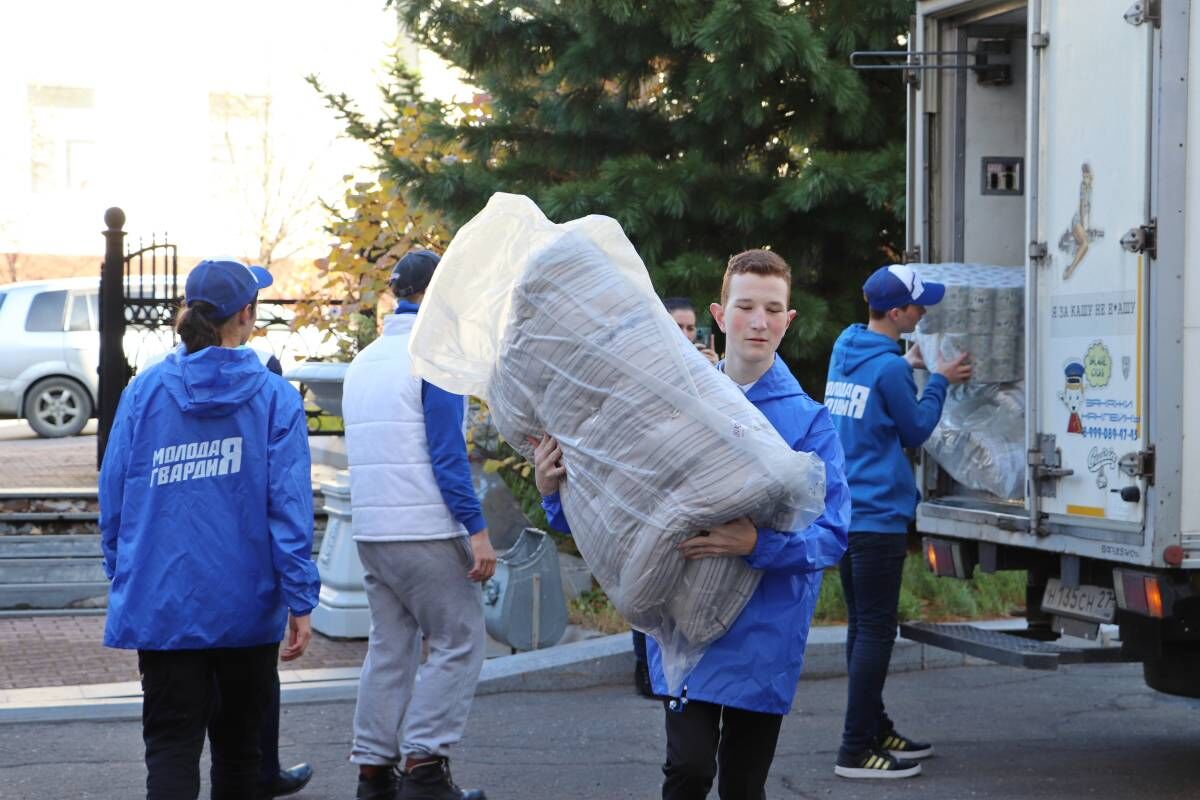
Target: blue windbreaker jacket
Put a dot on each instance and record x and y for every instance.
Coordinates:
(756, 664)
(206, 506)
(873, 399)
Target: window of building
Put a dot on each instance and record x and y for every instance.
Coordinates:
(238, 126)
(62, 156)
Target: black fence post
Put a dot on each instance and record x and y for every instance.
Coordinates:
(114, 373)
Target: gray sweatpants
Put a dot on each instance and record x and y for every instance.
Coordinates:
(405, 707)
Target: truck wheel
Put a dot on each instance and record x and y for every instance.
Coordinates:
(1177, 671)
(56, 407)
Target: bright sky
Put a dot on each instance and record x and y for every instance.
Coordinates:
(146, 141)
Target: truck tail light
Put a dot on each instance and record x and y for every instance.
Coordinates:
(944, 558)
(931, 556)
(1154, 601)
(1139, 593)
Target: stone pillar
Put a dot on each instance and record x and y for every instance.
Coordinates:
(342, 610)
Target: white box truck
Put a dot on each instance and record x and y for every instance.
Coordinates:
(1063, 136)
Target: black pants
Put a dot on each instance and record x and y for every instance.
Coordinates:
(872, 571)
(268, 739)
(186, 692)
(706, 740)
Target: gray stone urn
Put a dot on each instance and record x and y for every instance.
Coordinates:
(324, 380)
(342, 610)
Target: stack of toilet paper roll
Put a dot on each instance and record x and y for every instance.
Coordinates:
(983, 313)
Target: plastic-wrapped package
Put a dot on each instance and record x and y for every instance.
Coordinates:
(983, 313)
(980, 439)
(559, 329)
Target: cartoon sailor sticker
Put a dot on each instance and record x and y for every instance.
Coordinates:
(1072, 394)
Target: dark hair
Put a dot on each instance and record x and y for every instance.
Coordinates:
(878, 315)
(674, 304)
(197, 329)
(756, 262)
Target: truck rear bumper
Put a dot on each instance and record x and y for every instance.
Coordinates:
(975, 519)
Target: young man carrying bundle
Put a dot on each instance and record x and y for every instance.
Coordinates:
(726, 722)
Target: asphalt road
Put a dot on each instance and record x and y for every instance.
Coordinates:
(1094, 732)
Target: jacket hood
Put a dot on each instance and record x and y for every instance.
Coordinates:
(213, 382)
(858, 345)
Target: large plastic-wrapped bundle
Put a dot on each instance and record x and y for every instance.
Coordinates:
(980, 439)
(983, 313)
(559, 329)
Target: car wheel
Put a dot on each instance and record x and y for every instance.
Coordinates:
(57, 407)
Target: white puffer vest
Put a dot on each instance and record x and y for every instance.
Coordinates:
(393, 494)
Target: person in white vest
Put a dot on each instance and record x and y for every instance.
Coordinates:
(424, 547)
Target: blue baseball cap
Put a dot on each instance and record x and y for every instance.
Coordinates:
(900, 285)
(412, 273)
(227, 285)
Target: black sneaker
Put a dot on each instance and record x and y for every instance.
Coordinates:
(432, 781)
(875, 763)
(384, 786)
(901, 746)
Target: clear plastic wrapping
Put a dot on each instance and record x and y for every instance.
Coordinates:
(980, 438)
(558, 327)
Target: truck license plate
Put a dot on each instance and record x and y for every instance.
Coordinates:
(1093, 603)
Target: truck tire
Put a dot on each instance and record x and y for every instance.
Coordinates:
(1176, 672)
(57, 406)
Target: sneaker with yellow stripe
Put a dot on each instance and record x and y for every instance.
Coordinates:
(875, 763)
(901, 746)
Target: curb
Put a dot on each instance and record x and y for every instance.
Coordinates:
(600, 661)
(579, 665)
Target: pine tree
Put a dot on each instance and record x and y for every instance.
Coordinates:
(704, 127)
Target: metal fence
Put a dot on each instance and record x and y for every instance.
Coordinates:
(140, 294)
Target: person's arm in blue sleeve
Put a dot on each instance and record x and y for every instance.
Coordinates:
(289, 504)
(822, 543)
(112, 480)
(915, 419)
(448, 452)
(552, 505)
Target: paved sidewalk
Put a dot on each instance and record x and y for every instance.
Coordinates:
(54, 667)
(68, 650)
(29, 462)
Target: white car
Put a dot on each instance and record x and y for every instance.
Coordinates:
(50, 350)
